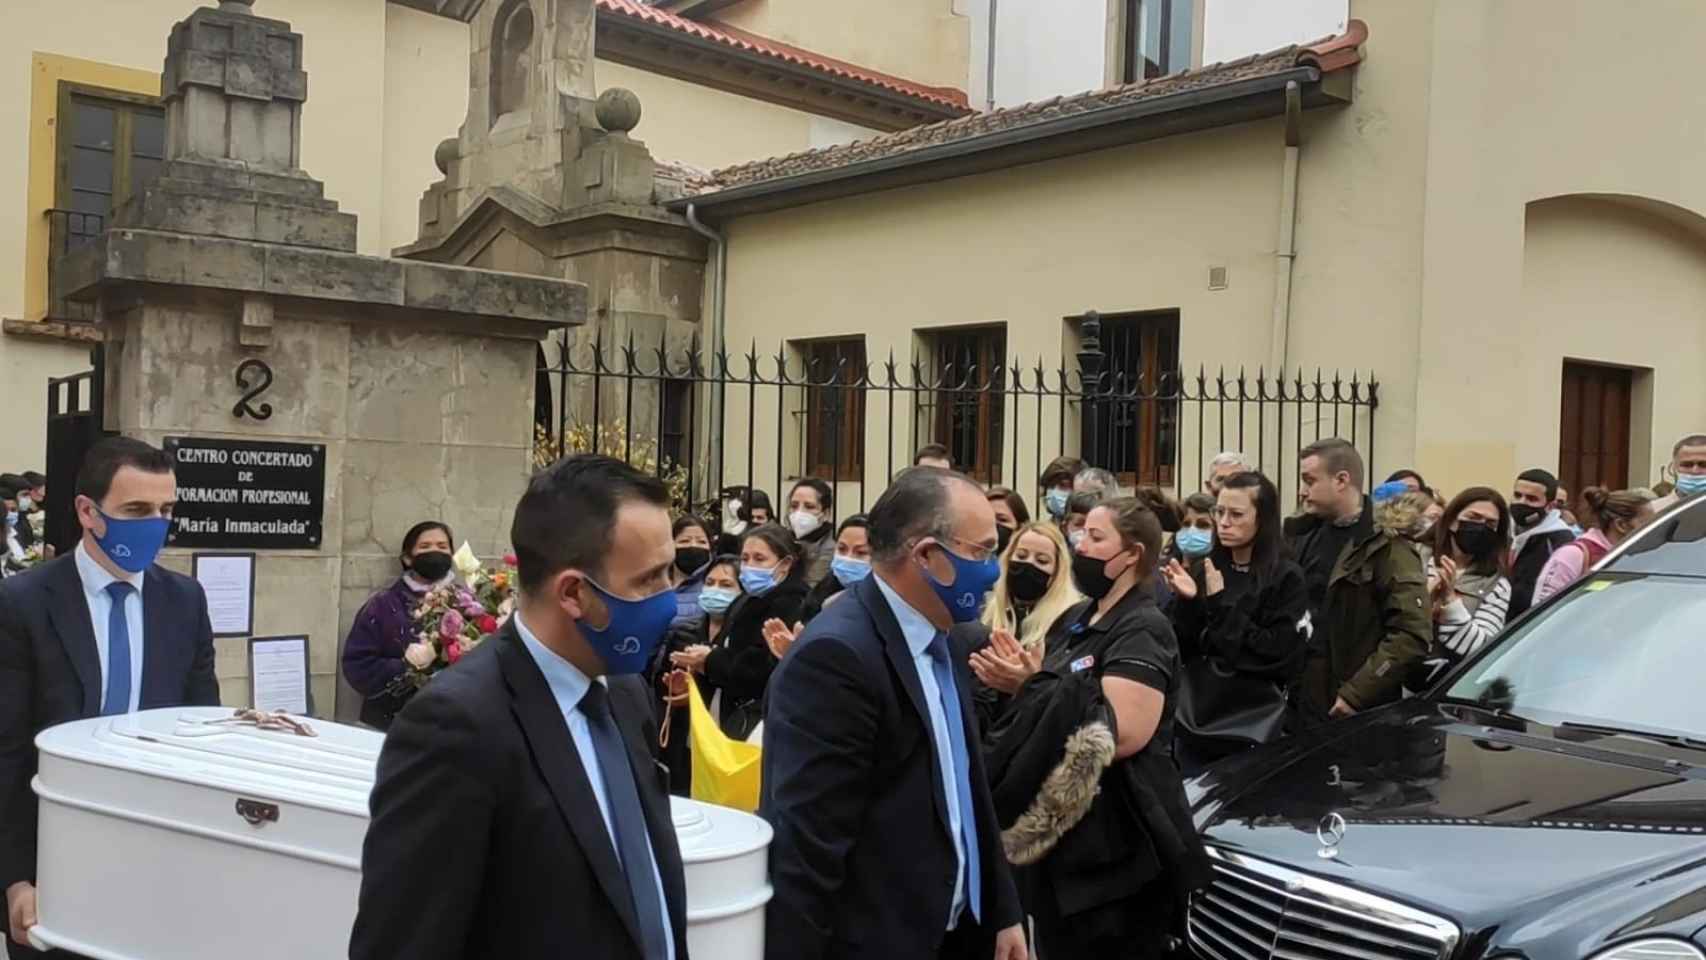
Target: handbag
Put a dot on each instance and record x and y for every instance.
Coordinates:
(1218, 703)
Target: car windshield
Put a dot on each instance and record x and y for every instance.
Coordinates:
(1622, 651)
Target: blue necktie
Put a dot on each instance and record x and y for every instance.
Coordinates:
(627, 820)
(118, 651)
(955, 717)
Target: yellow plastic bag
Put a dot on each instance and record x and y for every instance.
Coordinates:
(725, 772)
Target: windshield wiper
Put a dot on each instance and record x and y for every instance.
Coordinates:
(1659, 736)
(1498, 713)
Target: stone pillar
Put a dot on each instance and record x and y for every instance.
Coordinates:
(413, 380)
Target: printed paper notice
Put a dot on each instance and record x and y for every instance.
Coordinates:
(229, 582)
(280, 673)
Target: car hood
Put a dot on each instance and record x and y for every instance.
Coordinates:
(1507, 828)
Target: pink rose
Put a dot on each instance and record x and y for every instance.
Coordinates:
(509, 560)
(451, 626)
(452, 652)
(487, 623)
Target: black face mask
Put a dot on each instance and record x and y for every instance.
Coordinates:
(1027, 582)
(430, 566)
(1475, 539)
(1091, 575)
(1526, 516)
(1003, 536)
(690, 560)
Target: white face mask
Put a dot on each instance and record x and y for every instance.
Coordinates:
(804, 523)
(732, 523)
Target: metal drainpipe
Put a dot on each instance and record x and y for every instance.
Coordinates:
(719, 289)
(1286, 251)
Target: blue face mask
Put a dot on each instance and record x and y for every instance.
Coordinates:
(635, 628)
(1194, 542)
(1689, 484)
(972, 582)
(849, 570)
(757, 580)
(11, 518)
(716, 601)
(133, 544)
(1055, 501)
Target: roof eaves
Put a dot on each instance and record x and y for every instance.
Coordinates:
(997, 140)
(819, 67)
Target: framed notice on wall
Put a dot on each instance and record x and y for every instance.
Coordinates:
(247, 494)
(278, 674)
(228, 580)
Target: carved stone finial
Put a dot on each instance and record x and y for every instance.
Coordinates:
(445, 154)
(618, 110)
(236, 6)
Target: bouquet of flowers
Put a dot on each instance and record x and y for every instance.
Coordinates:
(17, 563)
(453, 619)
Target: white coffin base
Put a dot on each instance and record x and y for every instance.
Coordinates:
(143, 854)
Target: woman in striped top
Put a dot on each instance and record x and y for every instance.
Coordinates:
(1470, 589)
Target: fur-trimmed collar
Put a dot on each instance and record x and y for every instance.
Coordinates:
(1065, 797)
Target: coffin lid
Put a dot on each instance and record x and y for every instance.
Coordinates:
(708, 832)
(333, 770)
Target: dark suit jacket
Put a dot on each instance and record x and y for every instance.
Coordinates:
(486, 838)
(50, 673)
(863, 863)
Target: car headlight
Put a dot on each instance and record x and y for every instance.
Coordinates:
(1652, 948)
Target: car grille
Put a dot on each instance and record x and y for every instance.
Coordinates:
(1257, 910)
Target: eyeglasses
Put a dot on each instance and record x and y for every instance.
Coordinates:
(979, 552)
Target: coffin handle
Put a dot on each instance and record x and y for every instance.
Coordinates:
(257, 812)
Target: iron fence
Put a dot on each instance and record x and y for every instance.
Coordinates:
(75, 413)
(708, 421)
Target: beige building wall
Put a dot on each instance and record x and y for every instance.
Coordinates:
(1425, 252)
(708, 128)
(1531, 100)
(1128, 229)
(924, 41)
(426, 97)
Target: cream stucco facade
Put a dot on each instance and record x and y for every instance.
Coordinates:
(387, 84)
(1511, 187)
(922, 40)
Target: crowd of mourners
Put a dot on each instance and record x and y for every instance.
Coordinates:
(1124, 641)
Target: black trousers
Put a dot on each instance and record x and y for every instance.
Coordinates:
(968, 941)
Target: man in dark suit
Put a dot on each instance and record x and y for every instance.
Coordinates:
(517, 812)
(97, 632)
(886, 839)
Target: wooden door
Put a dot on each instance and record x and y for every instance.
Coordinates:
(1593, 439)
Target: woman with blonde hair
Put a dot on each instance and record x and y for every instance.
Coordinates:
(1034, 590)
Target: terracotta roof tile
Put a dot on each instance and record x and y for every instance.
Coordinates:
(1327, 55)
(752, 43)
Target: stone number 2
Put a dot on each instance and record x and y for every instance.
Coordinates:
(262, 381)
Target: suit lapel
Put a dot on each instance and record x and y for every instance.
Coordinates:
(560, 764)
(154, 634)
(900, 660)
(68, 608)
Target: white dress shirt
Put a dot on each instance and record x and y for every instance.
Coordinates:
(919, 633)
(96, 579)
(568, 685)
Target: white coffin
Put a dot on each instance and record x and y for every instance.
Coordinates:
(143, 854)
(146, 850)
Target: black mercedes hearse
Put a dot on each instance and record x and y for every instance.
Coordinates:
(1546, 800)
